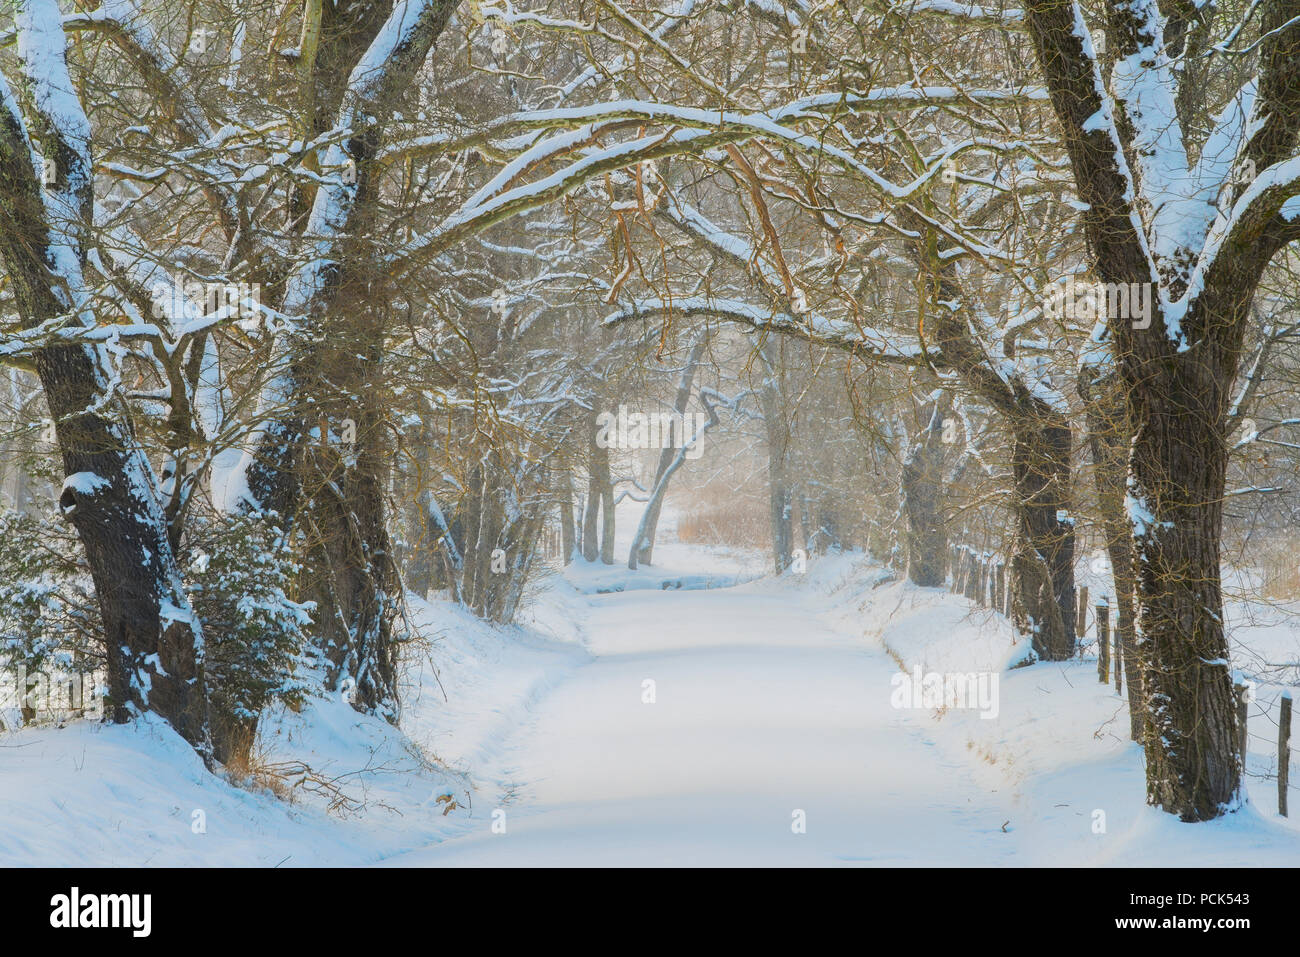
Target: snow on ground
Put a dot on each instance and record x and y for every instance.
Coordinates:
(762, 716)
(107, 795)
(637, 724)
(677, 565)
(1059, 748)
(136, 795)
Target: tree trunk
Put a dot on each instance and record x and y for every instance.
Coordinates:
(1109, 437)
(1044, 562)
(597, 479)
(643, 544)
(1178, 469)
(1176, 369)
(519, 541)
(1043, 566)
(567, 534)
(923, 501)
(486, 534)
(780, 493)
(607, 517)
(333, 290)
(153, 640)
(355, 585)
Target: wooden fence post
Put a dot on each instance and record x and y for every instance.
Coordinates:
(1283, 752)
(1103, 642)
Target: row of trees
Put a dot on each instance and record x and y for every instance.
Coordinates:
(432, 241)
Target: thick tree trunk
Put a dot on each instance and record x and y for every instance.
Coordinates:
(355, 587)
(1176, 371)
(591, 522)
(334, 494)
(153, 640)
(520, 542)
(486, 534)
(924, 500)
(335, 281)
(274, 477)
(779, 500)
(468, 518)
(1044, 561)
(1043, 566)
(579, 532)
(1178, 469)
(1109, 438)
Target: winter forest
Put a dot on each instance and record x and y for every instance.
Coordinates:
(738, 432)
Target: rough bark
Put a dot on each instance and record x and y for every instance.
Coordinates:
(358, 584)
(152, 638)
(924, 500)
(1109, 436)
(1191, 746)
(1176, 381)
(1043, 566)
(354, 581)
(154, 641)
(1044, 560)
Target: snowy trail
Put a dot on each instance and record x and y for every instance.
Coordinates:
(760, 710)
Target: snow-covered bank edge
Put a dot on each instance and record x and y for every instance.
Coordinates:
(348, 788)
(1059, 742)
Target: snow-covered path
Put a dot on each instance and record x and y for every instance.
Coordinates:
(770, 697)
(760, 710)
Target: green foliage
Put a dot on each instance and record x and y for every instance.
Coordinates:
(48, 611)
(239, 573)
